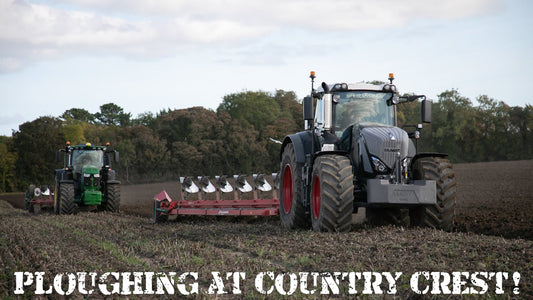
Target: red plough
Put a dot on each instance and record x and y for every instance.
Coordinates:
(220, 198)
(37, 198)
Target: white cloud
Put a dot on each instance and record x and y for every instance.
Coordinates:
(32, 32)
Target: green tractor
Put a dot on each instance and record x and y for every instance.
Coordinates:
(86, 181)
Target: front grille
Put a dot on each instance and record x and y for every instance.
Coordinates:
(91, 179)
(386, 142)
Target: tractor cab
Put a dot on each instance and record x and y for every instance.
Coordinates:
(86, 160)
(361, 107)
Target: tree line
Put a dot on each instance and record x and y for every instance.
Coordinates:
(237, 137)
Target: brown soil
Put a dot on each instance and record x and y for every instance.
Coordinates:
(494, 198)
(493, 223)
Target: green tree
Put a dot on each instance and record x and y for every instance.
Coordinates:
(521, 119)
(7, 167)
(290, 108)
(73, 131)
(201, 130)
(143, 154)
(147, 119)
(257, 109)
(454, 127)
(78, 114)
(36, 143)
(243, 154)
(112, 114)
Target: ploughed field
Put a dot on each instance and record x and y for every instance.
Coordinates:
(494, 233)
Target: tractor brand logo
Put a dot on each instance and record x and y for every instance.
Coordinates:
(391, 136)
(404, 196)
(391, 149)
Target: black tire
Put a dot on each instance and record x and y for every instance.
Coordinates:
(291, 197)
(112, 203)
(387, 216)
(28, 197)
(332, 194)
(67, 205)
(442, 214)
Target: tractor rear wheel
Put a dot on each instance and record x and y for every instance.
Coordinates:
(28, 197)
(291, 206)
(67, 205)
(442, 214)
(112, 197)
(332, 194)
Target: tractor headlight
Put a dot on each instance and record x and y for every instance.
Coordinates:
(86, 179)
(379, 166)
(96, 180)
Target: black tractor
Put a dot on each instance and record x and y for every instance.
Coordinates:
(87, 181)
(352, 154)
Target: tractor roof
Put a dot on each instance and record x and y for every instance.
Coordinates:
(88, 146)
(357, 86)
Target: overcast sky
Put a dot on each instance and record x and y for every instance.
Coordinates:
(146, 56)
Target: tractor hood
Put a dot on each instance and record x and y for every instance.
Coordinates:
(384, 142)
(90, 170)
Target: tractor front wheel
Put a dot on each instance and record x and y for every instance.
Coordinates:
(292, 209)
(332, 194)
(442, 214)
(67, 205)
(112, 197)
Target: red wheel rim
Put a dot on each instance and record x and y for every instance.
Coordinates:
(287, 188)
(316, 197)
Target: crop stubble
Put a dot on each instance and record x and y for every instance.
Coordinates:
(494, 233)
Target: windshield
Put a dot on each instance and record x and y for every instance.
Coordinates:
(362, 107)
(87, 158)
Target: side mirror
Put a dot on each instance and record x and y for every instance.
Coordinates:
(426, 111)
(115, 153)
(325, 87)
(308, 108)
(58, 156)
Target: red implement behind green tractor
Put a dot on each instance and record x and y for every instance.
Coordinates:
(37, 198)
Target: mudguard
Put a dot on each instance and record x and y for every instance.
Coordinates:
(302, 142)
(428, 154)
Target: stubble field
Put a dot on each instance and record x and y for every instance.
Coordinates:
(494, 233)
